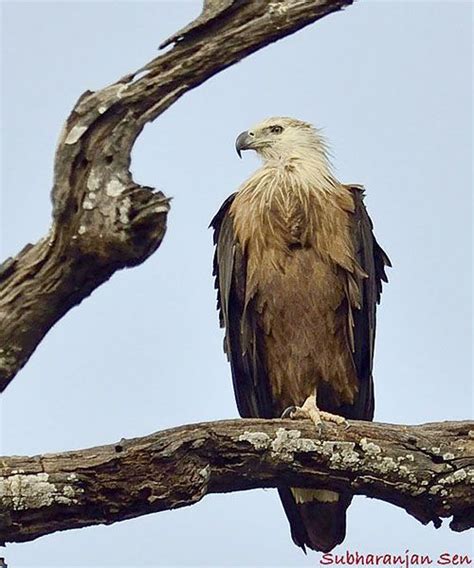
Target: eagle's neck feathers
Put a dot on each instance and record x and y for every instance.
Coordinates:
(310, 155)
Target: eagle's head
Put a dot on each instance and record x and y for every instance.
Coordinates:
(281, 137)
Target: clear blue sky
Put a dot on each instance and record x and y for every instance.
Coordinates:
(390, 82)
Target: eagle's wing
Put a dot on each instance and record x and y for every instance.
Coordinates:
(373, 260)
(243, 342)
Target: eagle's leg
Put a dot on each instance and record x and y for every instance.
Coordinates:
(310, 410)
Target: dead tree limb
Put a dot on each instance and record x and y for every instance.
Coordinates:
(102, 220)
(428, 470)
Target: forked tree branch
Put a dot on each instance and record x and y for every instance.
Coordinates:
(427, 470)
(103, 220)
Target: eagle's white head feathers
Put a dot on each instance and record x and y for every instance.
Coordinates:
(282, 138)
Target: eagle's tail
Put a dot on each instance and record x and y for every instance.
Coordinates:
(317, 517)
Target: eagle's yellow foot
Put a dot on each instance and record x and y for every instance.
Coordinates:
(308, 410)
(311, 411)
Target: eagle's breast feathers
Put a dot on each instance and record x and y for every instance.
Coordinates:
(303, 274)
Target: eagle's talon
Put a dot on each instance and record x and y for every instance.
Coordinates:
(289, 412)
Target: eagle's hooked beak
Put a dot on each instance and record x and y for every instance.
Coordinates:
(243, 142)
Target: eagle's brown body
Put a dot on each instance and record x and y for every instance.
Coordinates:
(300, 258)
(298, 273)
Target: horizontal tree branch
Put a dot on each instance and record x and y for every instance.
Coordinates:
(103, 220)
(427, 470)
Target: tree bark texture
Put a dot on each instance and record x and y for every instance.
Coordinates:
(102, 220)
(427, 470)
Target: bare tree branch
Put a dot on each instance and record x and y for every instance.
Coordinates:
(103, 220)
(428, 470)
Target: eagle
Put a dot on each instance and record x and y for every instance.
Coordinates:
(299, 274)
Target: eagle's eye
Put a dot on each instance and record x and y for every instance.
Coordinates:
(276, 129)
